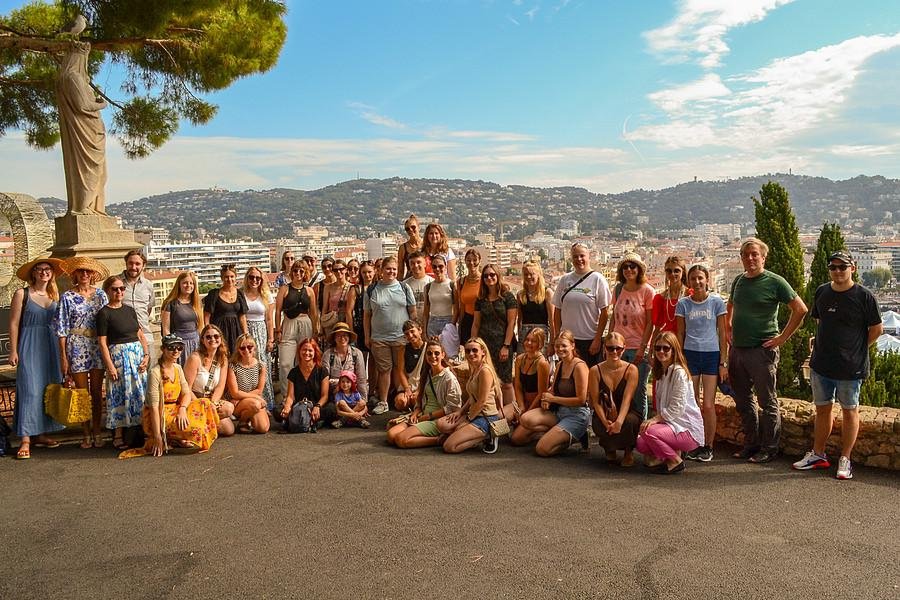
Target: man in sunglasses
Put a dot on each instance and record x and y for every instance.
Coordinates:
(848, 323)
(751, 325)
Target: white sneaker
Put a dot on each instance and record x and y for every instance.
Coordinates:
(811, 460)
(845, 469)
(380, 408)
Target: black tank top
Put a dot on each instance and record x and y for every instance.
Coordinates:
(411, 357)
(528, 381)
(295, 303)
(534, 313)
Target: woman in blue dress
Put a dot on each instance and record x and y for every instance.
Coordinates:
(76, 327)
(30, 330)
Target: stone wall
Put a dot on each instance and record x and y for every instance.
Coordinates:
(878, 443)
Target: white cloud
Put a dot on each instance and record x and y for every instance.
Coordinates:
(512, 20)
(766, 107)
(369, 114)
(699, 28)
(532, 12)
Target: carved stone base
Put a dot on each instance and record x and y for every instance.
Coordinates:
(97, 236)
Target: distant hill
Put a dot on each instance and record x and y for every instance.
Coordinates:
(365, 206)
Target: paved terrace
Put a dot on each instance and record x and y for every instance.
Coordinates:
(339, 514)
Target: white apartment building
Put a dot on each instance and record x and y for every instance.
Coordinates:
(206, 258)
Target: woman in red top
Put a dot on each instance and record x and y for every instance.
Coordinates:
(663, 314)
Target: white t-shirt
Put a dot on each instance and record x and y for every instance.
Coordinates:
(418, 289)
(580, 310)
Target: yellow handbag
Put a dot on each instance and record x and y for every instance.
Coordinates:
(69, 406)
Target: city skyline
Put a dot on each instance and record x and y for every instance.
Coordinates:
(536, 92)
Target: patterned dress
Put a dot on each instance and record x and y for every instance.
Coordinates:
(256, 324)
(76, 320)
(492, 329)
(125, 395)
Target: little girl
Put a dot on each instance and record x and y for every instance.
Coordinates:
(350, 405)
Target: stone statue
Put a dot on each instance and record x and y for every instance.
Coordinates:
(83, 134)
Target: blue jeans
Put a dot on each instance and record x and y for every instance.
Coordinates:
(825, 390)
(639, 402)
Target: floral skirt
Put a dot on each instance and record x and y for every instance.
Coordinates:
(125, 396)
(260, 335)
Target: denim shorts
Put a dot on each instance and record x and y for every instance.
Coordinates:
(702, 363)
(825, 390)
(574, 420)
(481, 422)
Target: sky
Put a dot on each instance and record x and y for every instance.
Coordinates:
(607, 95)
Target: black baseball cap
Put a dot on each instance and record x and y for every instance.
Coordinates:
(842, 256)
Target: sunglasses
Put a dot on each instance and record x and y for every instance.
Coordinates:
(212, 336)
(254, 278)
(411, 228)
(615, 348)
(174, 348)
(117, 288)
(339, 269)
(42, 270)
(472, 350)
(288, 258)
(629, 266)
(663, 349)
(353, 268)
(247, 348)
(673, 271)
(838, 267)
(489, 276)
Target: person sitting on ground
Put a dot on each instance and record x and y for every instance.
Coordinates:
(531, 378)
(677, 426)
(439, 394)
(246, 385)
(471, 423)
(408, 371)
(343, 356)
(308, 381)
(350, 404)
(206, 373)
(563, 415)
(611, 388)
(171, 415)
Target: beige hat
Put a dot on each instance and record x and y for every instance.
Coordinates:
(341, 328)
(86, 263)
(24, 272)
(632, 257)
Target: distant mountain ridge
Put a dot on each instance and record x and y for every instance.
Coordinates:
(364, 207)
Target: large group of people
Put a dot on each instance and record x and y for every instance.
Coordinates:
(464, 361)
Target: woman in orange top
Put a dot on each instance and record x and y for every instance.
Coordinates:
(467, 293)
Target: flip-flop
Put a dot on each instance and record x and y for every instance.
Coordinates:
(24, 452)
(48, 443)
(86, 444)
(119, 444)
(99, 442)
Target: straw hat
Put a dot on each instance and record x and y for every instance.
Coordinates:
(24, 272)
(341, 328)
(88, 264)
(635, 258)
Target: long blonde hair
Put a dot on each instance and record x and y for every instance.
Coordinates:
(195, 302)
(489, 365)
(540, 295)
(263, 286)
(221, 355)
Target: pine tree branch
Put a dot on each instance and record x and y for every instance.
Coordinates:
(105, 97)
(25, 82)
(38, 44)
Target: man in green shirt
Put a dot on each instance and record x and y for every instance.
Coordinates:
(752, 328)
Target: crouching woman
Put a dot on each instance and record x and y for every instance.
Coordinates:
(171, 413)
(439, 394)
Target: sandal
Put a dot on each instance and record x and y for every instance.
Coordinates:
(119, 444)
(45, 443)
(86, 443)
(24, 452)
(99, 442)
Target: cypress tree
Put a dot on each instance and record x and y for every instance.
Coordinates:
(830, 241)
(776, 225)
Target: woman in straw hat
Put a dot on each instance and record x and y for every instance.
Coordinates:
(31, 336)
(633, 319)
(76, 326)
(341, 356)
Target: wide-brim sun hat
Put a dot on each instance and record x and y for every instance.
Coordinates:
(341, 328)
(635, 258)
(88, 264)
(24, 272)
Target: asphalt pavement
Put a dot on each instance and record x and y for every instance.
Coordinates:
(339, 514)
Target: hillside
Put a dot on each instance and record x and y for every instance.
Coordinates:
(366, 206)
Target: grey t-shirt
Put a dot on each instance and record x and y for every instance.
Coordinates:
(388, 304)
(700, 331)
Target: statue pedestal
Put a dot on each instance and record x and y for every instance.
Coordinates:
(97, 236)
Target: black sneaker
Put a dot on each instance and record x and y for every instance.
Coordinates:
(693, 454)
(491, 445)
(765, 455)
(703, 454)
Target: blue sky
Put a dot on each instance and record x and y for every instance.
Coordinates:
(607, 95)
